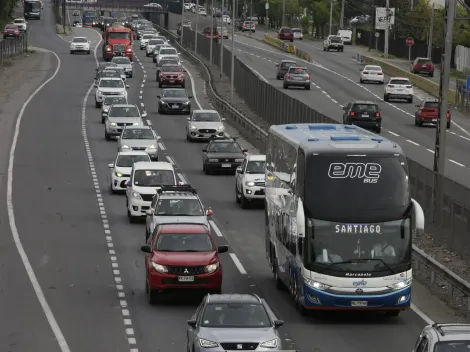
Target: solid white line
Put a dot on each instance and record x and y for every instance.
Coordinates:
(429, 150)
(170, 160)
(421, 314)
(258, 74)
(237, 263)
(456, 163)
(181, 177)
(161, 146)
(461, 128)
(193, 88)
(216, 228)
(59, 336)
(412, 142)
(149, 122)
(393, 133)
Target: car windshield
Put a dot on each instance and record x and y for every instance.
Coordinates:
(206, 116)
(286, 30)
(111, 83)
(431, 105)
(424, 61)
(121, 111)
(224, 147)
(122, 60)
(168, 51)
(298, 70)
(155, 42)
(115, 100)
(147, 36)
(335, 39)
(174, 93)
(179, 207)
(104, 65)
(129, 160)
(118, 35)
(400, 82)
(287, 64)
(11, 26)
(137, 133)
(365, 107)
(372, 68)
(171, 69)
(154, 178)
(110, 73)
(235, 315)
(199, 242)
(256, 167)
(80, 40)
(453, 346)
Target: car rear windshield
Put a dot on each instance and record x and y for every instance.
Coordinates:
(190, 242)
(400, 82)
(11, 26)
(224, 147)
(120, 111)
(154, 178)
(424, 61)
(156, 42)
(372, 68)
(122, 60)
(169, 51)
(335, 39)
(80, 40)
(179, 207)
(129, 160)
(115, 100)
(452, 346)
(137, 133)
(175, 93)
(365, 107)
(431, 105)
(147, 36)
(287, 64)
(206, 116)
(235, 315)
(111, 83)
(286, 30)
(168, 68)
(297, 30)
(298, 70)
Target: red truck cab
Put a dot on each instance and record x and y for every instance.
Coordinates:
(182, 257)
(211, 34)
(117, 42)
(428, 112)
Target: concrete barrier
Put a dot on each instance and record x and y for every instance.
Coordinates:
(420, 82)
(303, 55)
(287, 47)
(274, 41)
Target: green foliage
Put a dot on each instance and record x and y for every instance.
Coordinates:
(305, 25)
(6, 9)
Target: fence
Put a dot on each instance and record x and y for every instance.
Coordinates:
(462, 58)
(11, 47)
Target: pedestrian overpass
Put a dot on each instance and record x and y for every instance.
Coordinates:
(87, 6)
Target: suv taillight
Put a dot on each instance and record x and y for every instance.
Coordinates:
(377, 114)
(409, 86)
(390, 86)
(287, 75)
(352, 113)
(308, 77)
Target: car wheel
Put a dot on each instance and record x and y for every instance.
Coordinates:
(410, 100)
(416, 121)
(378, 130)
(130, 217)
(279, 284)
(160, 85)
(206, 170)
(324, 49)
(386, 97)
(244, 203)
(237, 194)
(448, 124)
(103, 119)
(189, 139)
(152, 295)
(160, 111)
(111, 189)
(307, 87)
(97, 104)
(107, 136)
(72, 52)
(183, 85)
(88, 52)
(431, 74)
(285, 86)
(131, 75)
(392, 313)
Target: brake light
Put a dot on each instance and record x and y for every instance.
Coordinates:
(308, 77)
(352, 113)
(380, 74)
(377, 114)
(390, 86)
(244, 25)
(253, 25)
(409, 86)
(287, 75)
(366, 73)
(448, 114)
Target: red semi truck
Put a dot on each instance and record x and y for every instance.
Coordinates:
(117, 42)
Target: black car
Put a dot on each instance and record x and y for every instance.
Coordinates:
(174, 100)
(222, 155)
(283, 67)
(164, 62)
(363, 113)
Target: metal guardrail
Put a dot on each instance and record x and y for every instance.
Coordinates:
(11, 47)
(439, 279)
(85, 6)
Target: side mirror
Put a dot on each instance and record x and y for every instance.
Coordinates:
(118, 137)
(181, 62)
(144, 114)
(184, 71)
(239, 170)
(209, 212)
(96, 85)
(159, 97)
(127, 86)
(111, 165)
(192, 323)
(190, 97)
(277, 65)
(417, 105)
(223, 119)
(149, 212)
(128, 183)
(146, 249)
(188, 118)
(278, 323)
(204, 150)
(345, 108)
(245, 150)
(97, 69)
(418, 215)
(132, 62)
(222, 249)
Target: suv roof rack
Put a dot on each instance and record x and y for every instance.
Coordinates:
(439, 326)
(178, 188)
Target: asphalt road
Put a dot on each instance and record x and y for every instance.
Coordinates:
(335, 78)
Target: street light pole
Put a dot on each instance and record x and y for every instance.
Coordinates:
(182, 22)
(283, 12)
(197, 23)
(233, 54)
(222, 44)
(341, 19)
(387, 28)
(431, 33)
(331, 15)
(212, 33)
(266, 25)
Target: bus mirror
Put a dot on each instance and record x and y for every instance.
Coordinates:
(300, 218)
(418, 216)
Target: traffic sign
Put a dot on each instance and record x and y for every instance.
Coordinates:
(266, 6)
(410, 41)
(468, 83)
(377, 34)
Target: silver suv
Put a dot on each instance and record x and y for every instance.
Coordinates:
(176, 204)
(120, 116)
(443, 338)
(139, 138)
(297, 77)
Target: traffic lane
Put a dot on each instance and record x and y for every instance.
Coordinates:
(60, 236)
(244, 230)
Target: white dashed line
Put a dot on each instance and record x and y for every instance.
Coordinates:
(161, 146)
(237, 263)
(216, 228)
(141, 92)
(181, 177)
(456, 163)
(429, 150)
(393, 133)
(412, 142)
(170, 160)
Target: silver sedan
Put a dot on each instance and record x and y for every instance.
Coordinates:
(139, 138)
(297, 77)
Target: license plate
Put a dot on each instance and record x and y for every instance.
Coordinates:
(175, 106)
(399, 90)
(358, 303)
(297, 78)
(424, 66)
(365, 115)
(226, 165)
(434, 120)
(186, 278)
(172, 81)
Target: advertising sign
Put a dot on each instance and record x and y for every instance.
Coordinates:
(381, 17)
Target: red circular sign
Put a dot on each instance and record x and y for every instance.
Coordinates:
(410, 41)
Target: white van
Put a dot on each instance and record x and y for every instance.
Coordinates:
(346, 35)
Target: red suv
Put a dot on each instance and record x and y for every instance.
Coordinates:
(428, 113)
(286, 33)
(422, 65)
(11, 30)
(182, 257)
(171, 75)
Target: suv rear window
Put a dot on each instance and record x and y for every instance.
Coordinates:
(335, 39)
(286, 30)
(400, 81)
(424, 61)
(297, 70)
(287, 64)
(365, 107)
(431, 104)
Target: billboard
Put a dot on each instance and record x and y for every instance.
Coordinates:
(381, 17)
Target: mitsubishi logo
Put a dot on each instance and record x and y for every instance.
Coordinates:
(226, 159)
(186, 271)
(239, 347)
(359, 291)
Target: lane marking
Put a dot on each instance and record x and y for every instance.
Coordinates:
(59, 336)
(429, 150)
(456, 163)
(393, 133)
(129, 331)
(216, 228)
(412, 142)
(181, 177)
(237, 263)
(258, 74)
(193, 88)
(421, 314)
(170, 160)
(161, 146)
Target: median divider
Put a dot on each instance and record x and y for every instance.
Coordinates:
(420, 82)
(287, 47)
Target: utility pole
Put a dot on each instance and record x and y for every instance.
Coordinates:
(251, 15)
(387, 28)
(341, 19)
(212, 33)
(441, 127)
(431, 33)
(222, 44)
(197, 23)
(63, 15)
(283, 12)
(266, 25)
(182, 22)
(331, 15)
(232, 76)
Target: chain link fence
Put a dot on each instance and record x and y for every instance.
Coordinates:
(11, 47)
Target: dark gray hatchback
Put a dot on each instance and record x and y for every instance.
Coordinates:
(283, 67)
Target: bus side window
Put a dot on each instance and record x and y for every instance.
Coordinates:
(301, 173)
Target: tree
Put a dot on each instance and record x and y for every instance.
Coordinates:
(321, 16)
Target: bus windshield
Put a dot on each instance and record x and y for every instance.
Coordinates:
(341, 249)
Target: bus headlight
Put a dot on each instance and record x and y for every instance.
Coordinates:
(401, 285)
(316, 285)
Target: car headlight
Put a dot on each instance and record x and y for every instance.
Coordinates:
(208, 344)
(113, 124)
(316, 285)
(186, 103)
(125, 146)
(211, 268)
(192, 127)
(118, 174)
(213, 160)
(249, 183)
(162, 102)
(160, 268)
(153, 147)
(136, 124)
(238, 160)
(401, 285)
(221, 128)
(106, 109)
(100, 92)
(269, 344)
(136, 195)
(122, 92)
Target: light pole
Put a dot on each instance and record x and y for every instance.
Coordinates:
(197, 22)
(341, 19)
(331, 15)
(212, 33)
(233, 53)
(387, 28)
(222, 45)
(182, 23)
(266, 25)
(431, 33)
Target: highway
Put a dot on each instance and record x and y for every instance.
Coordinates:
(335, 78)
(85, 254)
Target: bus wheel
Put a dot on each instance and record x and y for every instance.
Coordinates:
(279, 283)
(392, 313)
(298, 302)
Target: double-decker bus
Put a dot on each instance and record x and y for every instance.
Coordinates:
(339, 218)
